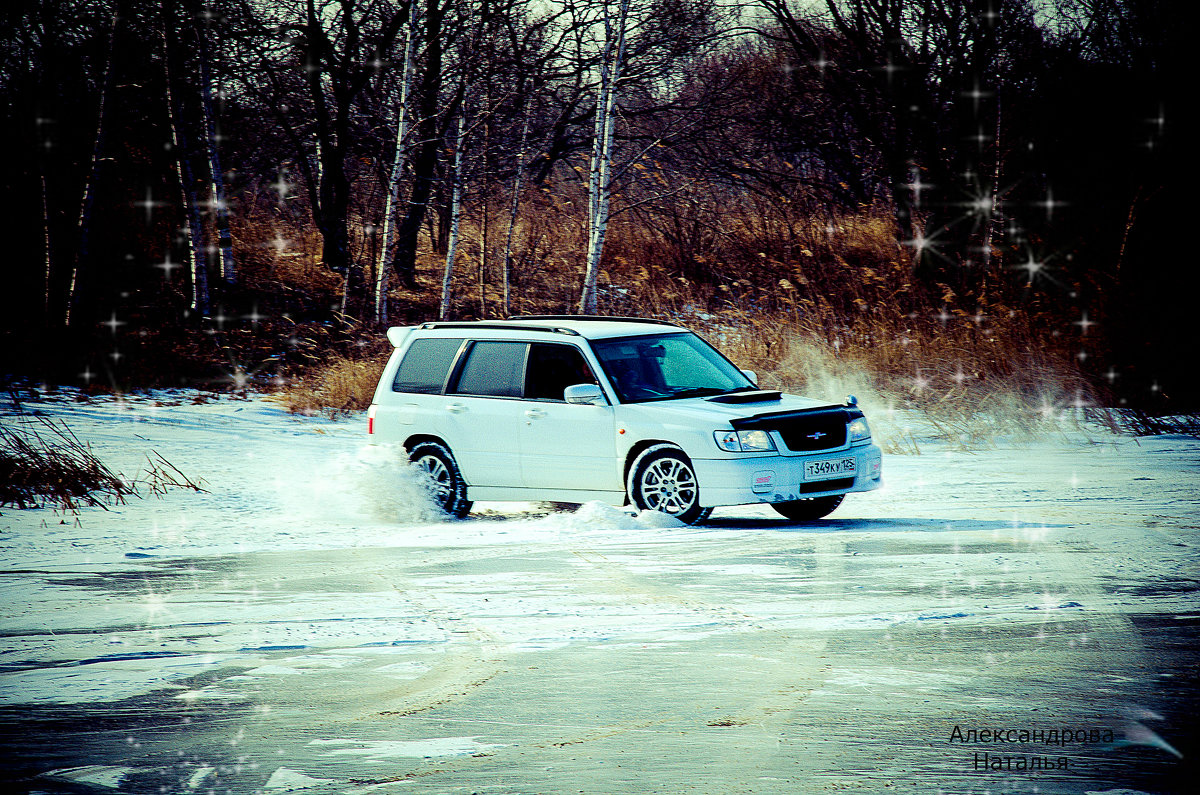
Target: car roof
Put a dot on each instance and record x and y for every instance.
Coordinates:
(588, 327)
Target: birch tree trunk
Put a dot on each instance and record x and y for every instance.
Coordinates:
(455, 216)
(392, 203)
(218, 199)
(423, 158)
(485, 155)
(484, 239)
(995, 219)
(513, 207)
(46, 246)
(193, 229)
(600, 177)
(89, 187)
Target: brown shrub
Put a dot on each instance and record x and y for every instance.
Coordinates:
(339, 386)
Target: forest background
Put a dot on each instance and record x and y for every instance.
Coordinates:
(958, 204)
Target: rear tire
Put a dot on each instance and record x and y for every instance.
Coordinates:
(662, 479)
(810, 509)
(449, 488)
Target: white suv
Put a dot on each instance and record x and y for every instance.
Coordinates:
(571, 409)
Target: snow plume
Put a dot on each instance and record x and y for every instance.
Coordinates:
(824, 372)
(373, 482)
(912, 395)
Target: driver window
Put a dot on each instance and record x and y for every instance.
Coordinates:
(552, 368)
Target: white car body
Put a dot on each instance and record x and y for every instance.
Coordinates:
(514, 447)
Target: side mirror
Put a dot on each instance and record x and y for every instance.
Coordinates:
(753, 376)
(584, 395)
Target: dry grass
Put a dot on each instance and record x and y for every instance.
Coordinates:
(44, 464)
(341, 385)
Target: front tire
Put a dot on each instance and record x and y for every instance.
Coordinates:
(662, 479)
(449, 488)
(808, 510)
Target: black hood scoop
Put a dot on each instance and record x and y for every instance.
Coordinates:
(757, 396)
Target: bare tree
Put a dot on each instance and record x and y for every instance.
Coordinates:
(193, 229)
(309, 63)
(83, 248)
(455, 215)
(399, 157)
(922, 81)
(218, 199)
(515, 206)
(600, 173)
(431, 113)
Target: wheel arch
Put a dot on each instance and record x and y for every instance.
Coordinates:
(420, 438)
(636, 450)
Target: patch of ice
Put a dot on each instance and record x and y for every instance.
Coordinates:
(197, 778)
(284, 780)
(80, 685)
(273, 670)
(409, 749)
(539, 645)
(404, 670)
(105, 776)
(214, 693)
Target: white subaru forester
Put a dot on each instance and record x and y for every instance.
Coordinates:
(623, 410)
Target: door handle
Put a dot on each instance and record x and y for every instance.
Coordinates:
(534, 414)
(456, 408)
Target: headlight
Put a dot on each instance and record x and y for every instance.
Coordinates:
(744, 441)
(858, 429)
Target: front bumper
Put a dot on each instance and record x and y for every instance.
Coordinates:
(767, 479)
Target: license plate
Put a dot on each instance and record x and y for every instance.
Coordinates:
(826, 470)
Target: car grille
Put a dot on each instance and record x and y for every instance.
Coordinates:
(807, 431)
(804, 431)
(826, 485)
(819, 432)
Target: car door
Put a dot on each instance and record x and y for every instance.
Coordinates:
(563, 445)
(483, 412)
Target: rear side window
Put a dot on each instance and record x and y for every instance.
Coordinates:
(425, 365)
(493, 369)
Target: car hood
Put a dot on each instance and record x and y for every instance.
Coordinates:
(705, 410)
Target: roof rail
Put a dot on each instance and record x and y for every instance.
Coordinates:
(504, 326)
(612, 318)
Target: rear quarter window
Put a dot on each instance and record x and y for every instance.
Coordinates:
(425, 365)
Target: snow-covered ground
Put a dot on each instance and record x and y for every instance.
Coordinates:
(311, 623)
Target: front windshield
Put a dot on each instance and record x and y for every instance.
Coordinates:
(666, 366)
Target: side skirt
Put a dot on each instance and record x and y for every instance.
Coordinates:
(513, 494)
